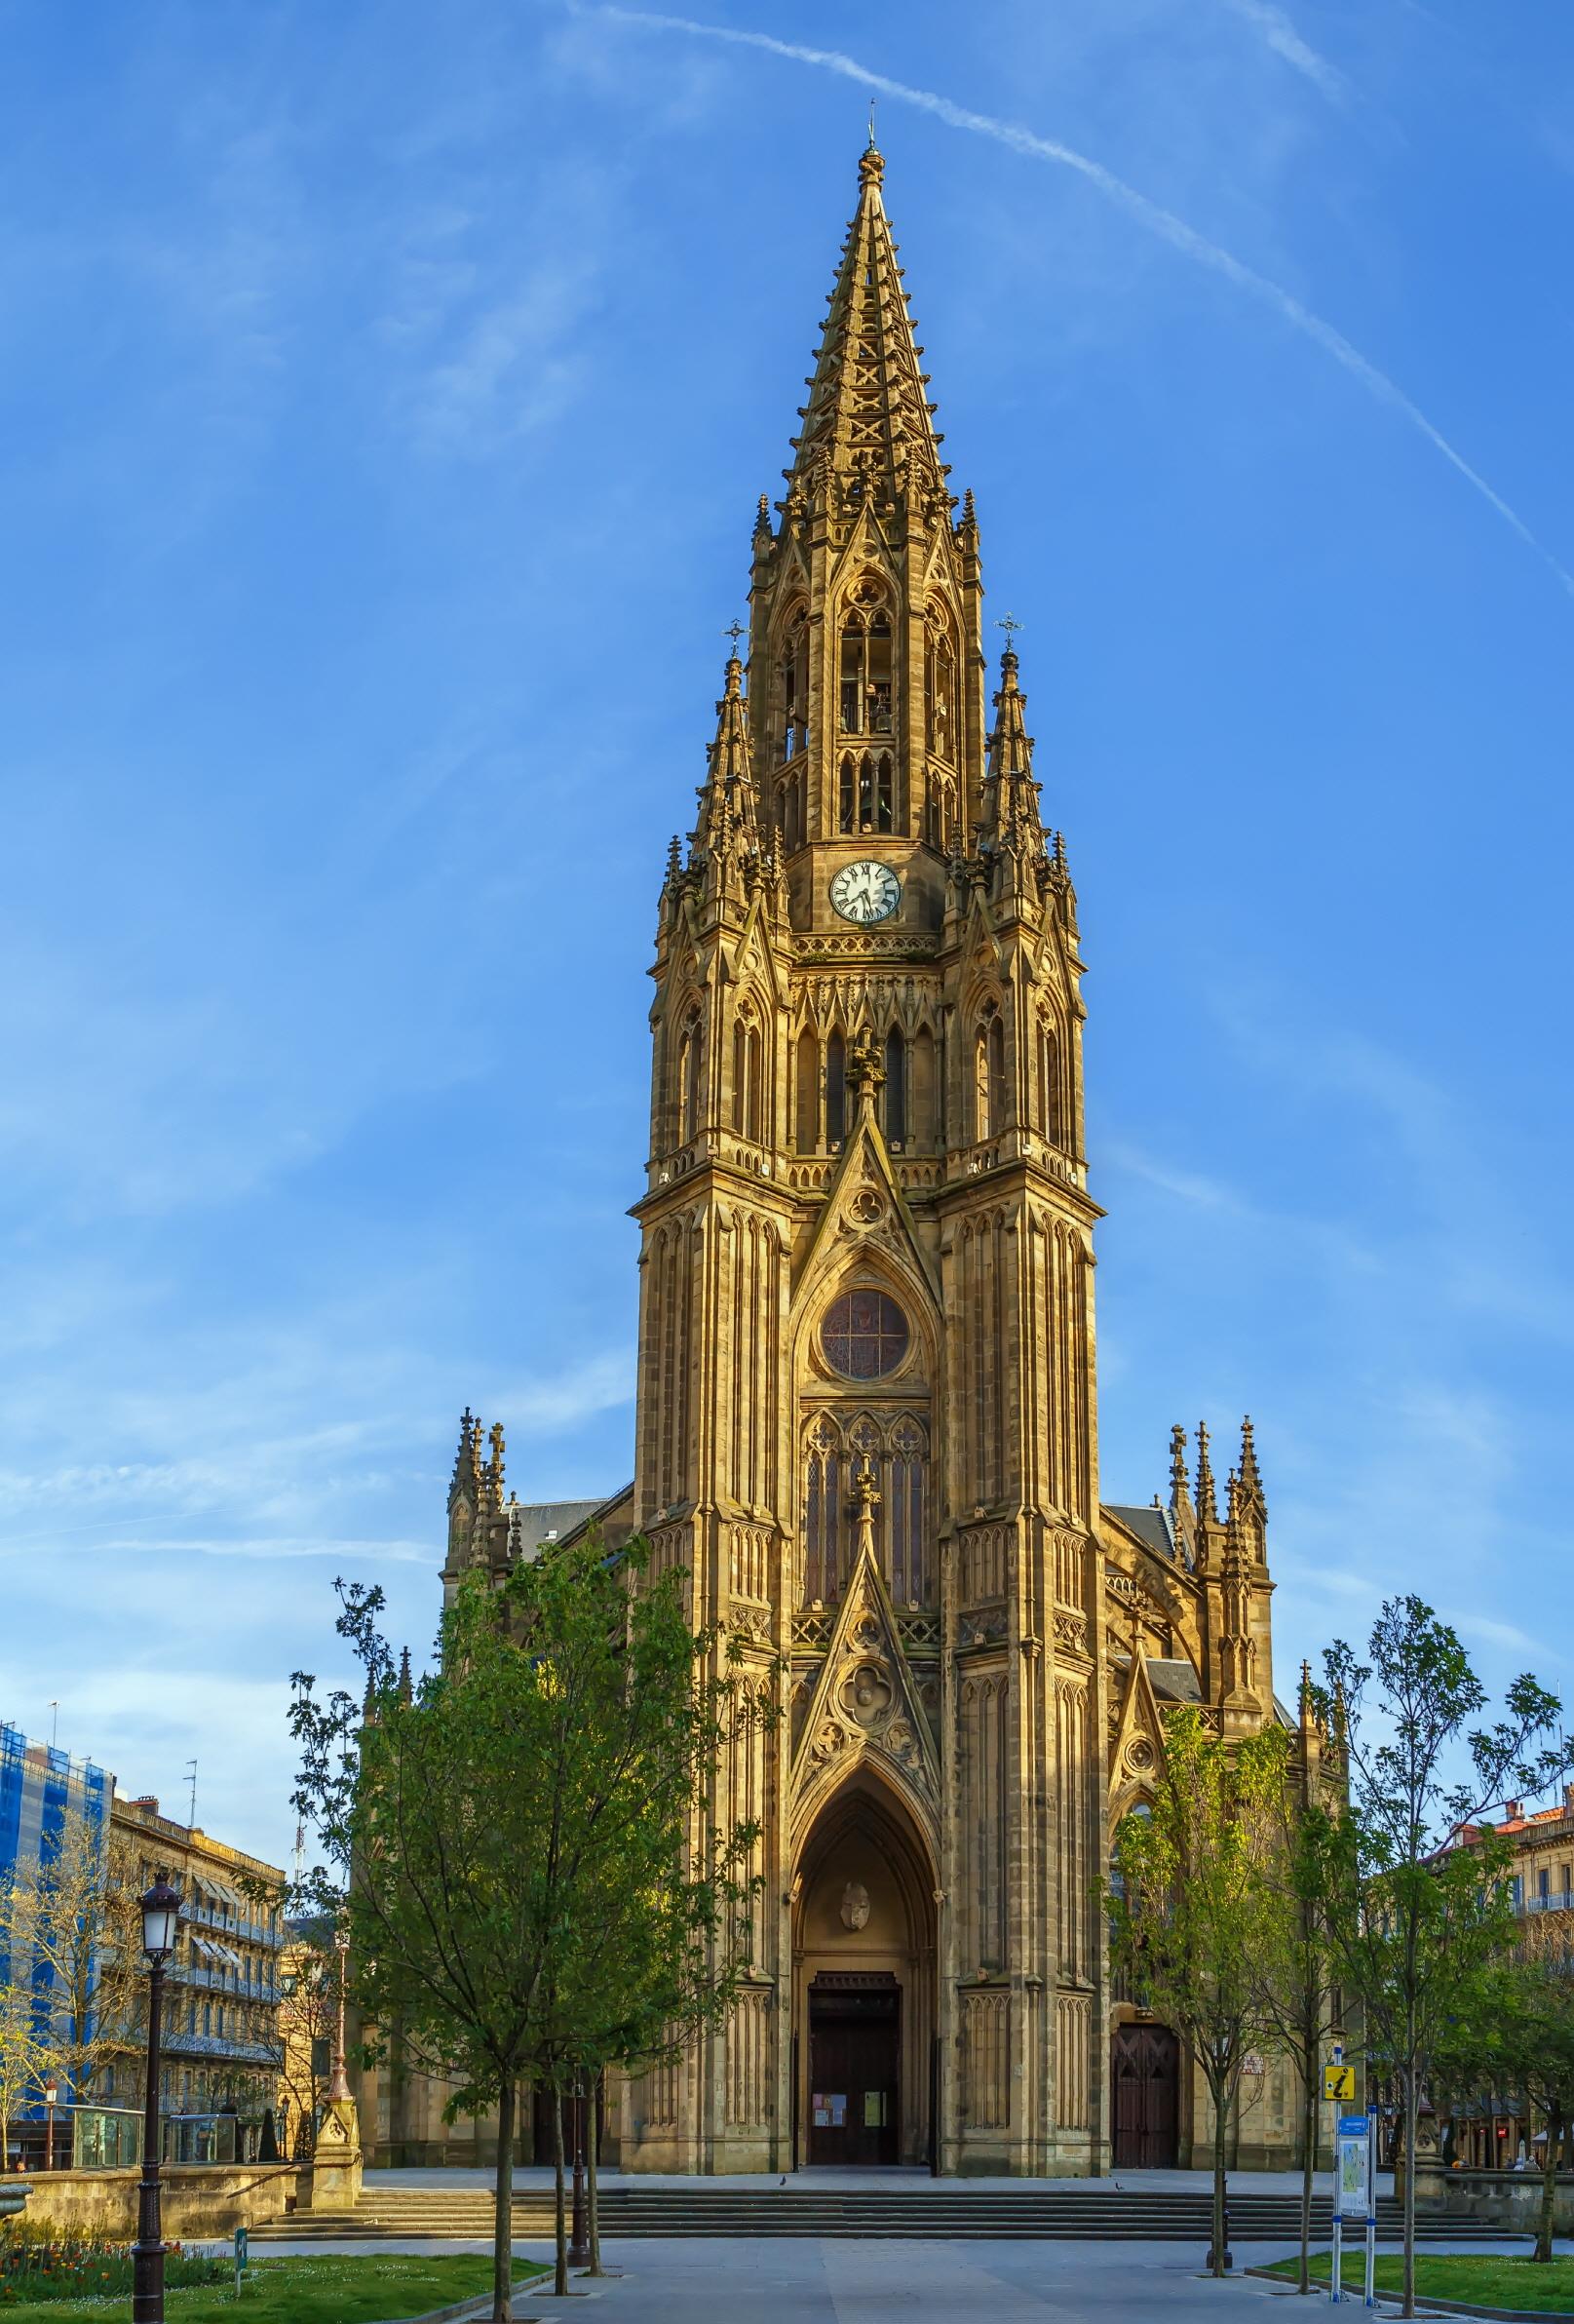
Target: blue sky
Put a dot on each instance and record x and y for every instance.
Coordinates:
(386, 392)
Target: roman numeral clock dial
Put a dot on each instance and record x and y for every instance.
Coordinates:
(866, 892)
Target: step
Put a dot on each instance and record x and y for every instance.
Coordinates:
(929, 2209)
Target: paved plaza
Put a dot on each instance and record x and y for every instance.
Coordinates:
(841, 2280)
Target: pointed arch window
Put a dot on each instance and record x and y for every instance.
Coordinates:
(822, 1515)
(908, 1565)
(835, 1090)
(896, 1088)
(1051, 1113)
(847, 798)
(746, 1076)
(940, 686)
(921, 1122)
(989, 1075)
(688, 1079)
(806, 1103)
(885, 807)
(865, 669)
(792, 687)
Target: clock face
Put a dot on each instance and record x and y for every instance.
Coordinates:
(866, 892)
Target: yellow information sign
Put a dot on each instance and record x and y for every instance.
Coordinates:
(1338, 2081)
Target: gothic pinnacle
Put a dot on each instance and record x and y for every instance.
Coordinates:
(1207, 1497)
(1251, 1477)
(1178, 1487)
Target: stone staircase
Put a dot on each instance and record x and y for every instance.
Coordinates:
(934, 2209)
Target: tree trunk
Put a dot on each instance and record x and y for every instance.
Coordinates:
(503, 2207)
(1309, 2126)
(1412, 2110)
(592, 2207)
(1549, 2183)
(559, 2282)
(1221, 2132)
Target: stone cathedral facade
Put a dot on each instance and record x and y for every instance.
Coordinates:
(866, 1418)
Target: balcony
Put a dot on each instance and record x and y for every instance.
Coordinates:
(180, 2044)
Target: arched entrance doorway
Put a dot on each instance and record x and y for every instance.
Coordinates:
(1146, 2077)
(863, 1982)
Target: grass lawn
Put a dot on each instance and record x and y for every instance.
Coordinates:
(337, 2290)
(1484, 2278)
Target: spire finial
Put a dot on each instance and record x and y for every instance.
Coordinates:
(1011, 625)
(734, 630)
(870, 162)
(1178, 1486)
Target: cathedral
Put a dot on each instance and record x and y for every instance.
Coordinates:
(867, 1418)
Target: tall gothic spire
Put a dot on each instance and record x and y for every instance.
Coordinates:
(867, 409)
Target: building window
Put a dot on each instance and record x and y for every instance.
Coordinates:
(864, 1335)
(989, 1075)
(807, 1103)
(821, 1517)
(906, 1570)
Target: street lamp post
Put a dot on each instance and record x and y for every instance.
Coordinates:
(161, 1915)
(579, 2247)
(51, 2091)
(338, 2089)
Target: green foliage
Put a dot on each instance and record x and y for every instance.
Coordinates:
(524, 1842)
(1518, 2044)
(41, 2268)
(1195, 1893)
(1418, 1920)
(368, 2289)
(1481, 2280)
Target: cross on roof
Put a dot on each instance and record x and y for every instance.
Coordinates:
(734, 632)
(1011, 625)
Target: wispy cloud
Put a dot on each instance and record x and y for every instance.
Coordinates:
(1148, 213)
(1286, 42)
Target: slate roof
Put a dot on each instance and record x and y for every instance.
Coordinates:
(1173, 1680)
(1148, 1525)
(537, 1520)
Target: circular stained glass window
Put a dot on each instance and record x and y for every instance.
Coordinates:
(865, 1334)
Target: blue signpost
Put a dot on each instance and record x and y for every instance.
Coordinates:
(1355, 2196)
(243, 2258)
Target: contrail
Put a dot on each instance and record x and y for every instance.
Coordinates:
(1151, 215)
(1286, 42)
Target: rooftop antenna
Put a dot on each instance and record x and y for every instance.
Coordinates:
(54, 1724)
(191, 1820)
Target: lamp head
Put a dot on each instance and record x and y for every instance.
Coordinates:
(161, 1915)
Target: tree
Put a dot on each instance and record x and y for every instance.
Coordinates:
(88, 1939)
(1192, 1899)
(1522, 2041)
(1417, 1922)
(1297, 1961)
(24, 2053)
(308, 2025)
(473, 1823)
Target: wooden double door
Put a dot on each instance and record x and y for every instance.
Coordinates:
(855, 2050)
(1145, 2070)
